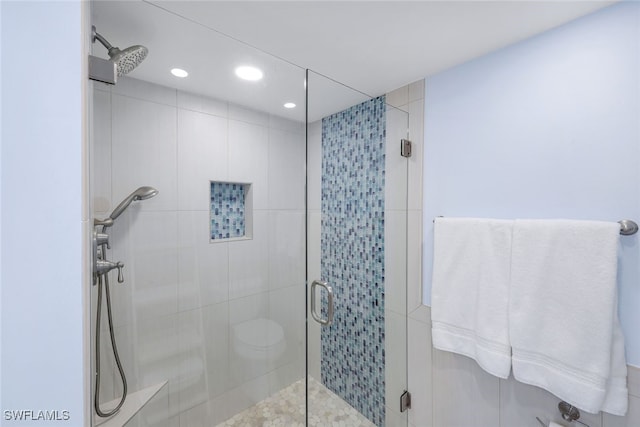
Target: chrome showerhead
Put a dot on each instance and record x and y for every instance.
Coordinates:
(142, 193)
(126, 59)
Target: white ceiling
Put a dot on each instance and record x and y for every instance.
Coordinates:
(373, 46)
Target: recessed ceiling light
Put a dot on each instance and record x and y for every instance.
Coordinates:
(246, 72)
(178, 72)
(289, 105)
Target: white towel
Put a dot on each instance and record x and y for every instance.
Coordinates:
(617, 400)
(470, 290)
(563, 324)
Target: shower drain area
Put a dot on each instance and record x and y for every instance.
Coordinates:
(286, 408)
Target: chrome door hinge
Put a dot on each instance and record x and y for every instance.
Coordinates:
(405, 148)
(405, 401)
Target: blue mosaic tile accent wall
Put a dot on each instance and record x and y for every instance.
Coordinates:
(227, 210)
(352, 238)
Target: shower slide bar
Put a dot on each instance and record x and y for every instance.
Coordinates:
(627, 227)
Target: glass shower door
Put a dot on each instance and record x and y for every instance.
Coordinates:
(211, 311)
(356, 257)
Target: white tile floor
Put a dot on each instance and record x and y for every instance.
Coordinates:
(286, 408)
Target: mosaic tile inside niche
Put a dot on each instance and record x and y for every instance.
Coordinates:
(352, 255)
(227, 210)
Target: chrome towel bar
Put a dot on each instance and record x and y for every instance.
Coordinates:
(627, 227)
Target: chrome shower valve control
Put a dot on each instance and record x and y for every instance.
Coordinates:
(103, 267)
(102, 239)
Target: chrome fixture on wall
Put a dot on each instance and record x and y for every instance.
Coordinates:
(330, 310)
(121, 61)
(101, 268)
(627, 226)
(142, 193)
(101, 240)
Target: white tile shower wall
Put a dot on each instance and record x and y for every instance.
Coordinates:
(445, 387)
(249, 260)
(395, 238)
(286, 248)
(286, 189)
(200, 263)
(143, 154)
(410, 98)
(201, 156)
(182, 295)
(248, 149)
(420, 378)
(285, 308)
(199, 337)
(101, 135)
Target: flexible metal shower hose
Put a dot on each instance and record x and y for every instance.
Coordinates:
(113, 345)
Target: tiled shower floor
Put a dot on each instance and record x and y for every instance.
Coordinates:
(286, 408)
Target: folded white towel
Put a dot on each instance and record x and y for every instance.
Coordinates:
(470, 290)
(617, 400)
(563, 324)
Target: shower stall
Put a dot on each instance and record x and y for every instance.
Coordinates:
(264, 283)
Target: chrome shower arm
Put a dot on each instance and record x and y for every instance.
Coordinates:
(96, 36)
(126, 60)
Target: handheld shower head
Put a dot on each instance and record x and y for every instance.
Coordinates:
(142, 193)
(127, 59)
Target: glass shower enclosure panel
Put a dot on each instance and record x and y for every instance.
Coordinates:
(211, 313)
(210, 319)
(356, 257)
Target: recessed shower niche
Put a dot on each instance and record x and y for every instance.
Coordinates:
(230, 212)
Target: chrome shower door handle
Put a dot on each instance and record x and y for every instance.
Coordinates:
(317, 317)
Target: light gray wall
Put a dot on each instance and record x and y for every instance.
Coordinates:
(546, 128)
(43, 216)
